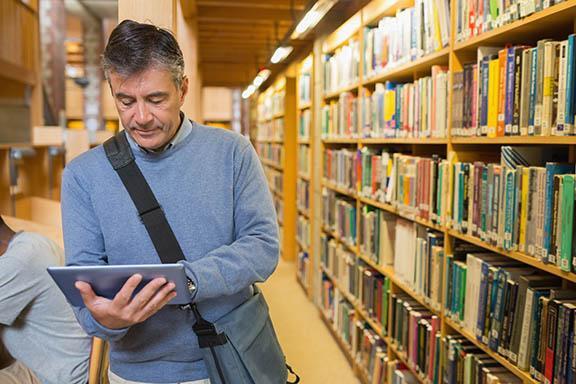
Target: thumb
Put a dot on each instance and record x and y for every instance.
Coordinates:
(88, 295)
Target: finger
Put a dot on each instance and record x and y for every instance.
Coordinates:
(124, 296)
(146, 294)
(87, 293)
(161, 298)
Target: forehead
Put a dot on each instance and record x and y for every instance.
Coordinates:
(144, 82)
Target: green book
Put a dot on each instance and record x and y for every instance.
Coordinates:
(567, 222)
(462, 292)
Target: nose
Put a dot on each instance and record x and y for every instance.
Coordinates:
(143, 116)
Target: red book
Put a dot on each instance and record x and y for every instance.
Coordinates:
(552, 326)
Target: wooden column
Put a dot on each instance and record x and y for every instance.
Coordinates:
(161, 13)
(180, 18)
(187, 35)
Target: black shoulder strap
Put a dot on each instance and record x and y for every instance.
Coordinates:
(151, 214)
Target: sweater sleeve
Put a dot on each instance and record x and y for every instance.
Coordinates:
(83, 244)
(253, 255)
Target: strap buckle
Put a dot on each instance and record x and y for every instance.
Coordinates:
(206, 332)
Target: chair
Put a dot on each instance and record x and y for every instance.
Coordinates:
(99, 361)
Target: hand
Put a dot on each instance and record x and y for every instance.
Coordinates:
(124, 311)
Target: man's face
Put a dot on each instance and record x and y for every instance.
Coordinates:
(149, 105)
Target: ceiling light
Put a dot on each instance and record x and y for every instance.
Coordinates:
(280, 54)
(261, 77)
(312, 17)
(248, 91)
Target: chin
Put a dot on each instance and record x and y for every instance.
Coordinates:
(148, 141)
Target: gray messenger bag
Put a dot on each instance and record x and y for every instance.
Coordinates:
(239, 348)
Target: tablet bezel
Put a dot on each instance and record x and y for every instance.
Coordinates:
(106, 280)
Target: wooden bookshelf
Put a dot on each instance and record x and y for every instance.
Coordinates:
(303, 176)
(301, 284)
(525, 376)
(406, 71)
(516, 140)
(341, 343)
(305, 92)
(271, 141)
(336, 94)
(402, 357)
(555, 22)
(302, 212)
(279, 103)
(305, 105)
(424, 140)
(272, 164)
(557, 19)
(339, 190)
(339, 140)
(519, 256)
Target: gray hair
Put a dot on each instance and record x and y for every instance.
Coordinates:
(134, 47)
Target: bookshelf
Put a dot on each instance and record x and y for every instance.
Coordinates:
(557, 21)
(276, 144)
(340, 61)
(304, 201)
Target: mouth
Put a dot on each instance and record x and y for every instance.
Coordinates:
(146, 133)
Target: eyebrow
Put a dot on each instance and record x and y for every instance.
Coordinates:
(121, 95)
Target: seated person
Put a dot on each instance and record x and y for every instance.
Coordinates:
(37, 325)
(12, 371)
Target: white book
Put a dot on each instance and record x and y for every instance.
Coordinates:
(562, 69)
(525, 344)
(525, 91)
(550, 49)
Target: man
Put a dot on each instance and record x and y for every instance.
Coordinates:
(213, 192)
(37, 326)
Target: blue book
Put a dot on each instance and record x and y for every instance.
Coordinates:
(498, 286)
(552, 169)
(483, 201)
(483, 112)
(482, 302)
(510, 78)
(533, 82)
(493, 292)
(461, 186)
(570, 78)
(509, 207)
(456, 289)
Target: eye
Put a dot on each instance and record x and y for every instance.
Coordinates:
(126, 102)
(156, 101)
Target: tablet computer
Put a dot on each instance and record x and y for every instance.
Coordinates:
(107, 280)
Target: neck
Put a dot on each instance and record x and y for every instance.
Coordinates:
(6, 235)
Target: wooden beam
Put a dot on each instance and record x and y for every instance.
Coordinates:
(160, 12)
(233, 33)
(231, 19)
(245, 13)
(284, 5)
(17, 72)
(189, 8)
(238, 40)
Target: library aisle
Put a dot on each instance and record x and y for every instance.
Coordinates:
(307, 343)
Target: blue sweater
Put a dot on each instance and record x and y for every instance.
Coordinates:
(214, 194)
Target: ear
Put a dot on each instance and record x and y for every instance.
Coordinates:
(183, 89)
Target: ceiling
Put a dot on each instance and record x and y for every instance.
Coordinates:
(237, 37)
